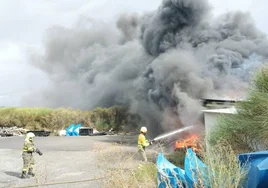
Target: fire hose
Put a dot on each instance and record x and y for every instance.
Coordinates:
(58, 183)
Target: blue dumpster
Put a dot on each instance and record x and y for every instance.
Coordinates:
(257, 165)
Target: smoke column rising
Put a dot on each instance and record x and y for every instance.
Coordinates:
(158, 64)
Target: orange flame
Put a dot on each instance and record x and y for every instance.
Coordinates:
(189, 142)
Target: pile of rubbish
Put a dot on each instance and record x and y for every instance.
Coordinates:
(12, 131)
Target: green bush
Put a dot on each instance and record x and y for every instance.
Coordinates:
(247, 131)
(177, 158)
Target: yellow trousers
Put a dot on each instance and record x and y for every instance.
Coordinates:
(28, 162)
(143, 154)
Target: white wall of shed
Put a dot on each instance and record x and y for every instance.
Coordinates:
(211, 119)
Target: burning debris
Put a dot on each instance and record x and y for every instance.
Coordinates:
(183, 54)
(191, 141)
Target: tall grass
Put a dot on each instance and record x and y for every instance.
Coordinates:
(122, 169)
(56, 119)
(224, 169)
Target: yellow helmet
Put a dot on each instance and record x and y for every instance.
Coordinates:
(144, 130)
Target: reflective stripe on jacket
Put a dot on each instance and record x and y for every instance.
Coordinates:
(28, 147)
(142, 142)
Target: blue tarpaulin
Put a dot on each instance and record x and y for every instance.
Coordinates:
(69, 130)
(73, 130)
(257, 164)
(194, 169)
(76, 130)
(169, 175)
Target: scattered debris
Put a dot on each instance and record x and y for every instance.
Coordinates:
(40, 133)
(191, 141)
(98, 134)
(11, 131)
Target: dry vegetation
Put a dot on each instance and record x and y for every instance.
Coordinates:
(224, 169)
(45, 118)
(123, 168)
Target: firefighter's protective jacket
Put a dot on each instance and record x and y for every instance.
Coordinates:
(28, 146)
(142, 142)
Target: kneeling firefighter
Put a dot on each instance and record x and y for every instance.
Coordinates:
(143, 142)
(27, 155)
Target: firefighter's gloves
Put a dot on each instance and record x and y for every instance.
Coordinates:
(38, 152)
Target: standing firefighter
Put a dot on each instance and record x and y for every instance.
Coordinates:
(143, 142)
(27, 155)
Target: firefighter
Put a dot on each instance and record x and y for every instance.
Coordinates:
(143, 142)
(27, 156)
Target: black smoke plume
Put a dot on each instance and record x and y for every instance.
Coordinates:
(159, 64)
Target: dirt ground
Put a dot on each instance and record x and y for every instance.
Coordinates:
(64, 159)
